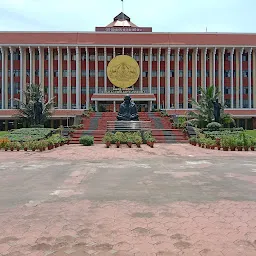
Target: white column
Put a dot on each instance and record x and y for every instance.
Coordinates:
(250, 77)
(150, 71)
(158, 79)
(114, 106)
(232, 77)
(87, 79)
(222, 75)
(132, 52)
(123, 51)
(60, 75)
(50, 73)
(203, 68)
(167, 81)
(31, 64)
(78, 78)
(21, 73)
(41, 67)
(177, 78)
(114, 52)
(194, 74)
(185, 78)
(12, 97)
(3, 77)
(105, 69)
(254, 77)
(69, 106)
(141, 68)
(241, 77)
(213, 67)
(96, 77)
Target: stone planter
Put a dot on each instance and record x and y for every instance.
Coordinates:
(252, 148)
(239, 148)
(233, 148)
(138, 145)
(246, 148)
(225, 148)
(129, 144)
(108, 143)
(118, 144)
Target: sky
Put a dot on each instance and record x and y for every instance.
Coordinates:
(161, 15)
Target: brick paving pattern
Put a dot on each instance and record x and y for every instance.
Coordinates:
(169, 200)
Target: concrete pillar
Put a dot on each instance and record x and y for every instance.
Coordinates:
(167, 81)
(177, 78)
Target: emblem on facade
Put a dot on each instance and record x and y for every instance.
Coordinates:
(123, 71)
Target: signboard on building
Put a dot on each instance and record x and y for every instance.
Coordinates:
(123, 29)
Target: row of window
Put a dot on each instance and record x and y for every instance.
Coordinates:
(145, 57)
(227, 73)
(227, 90)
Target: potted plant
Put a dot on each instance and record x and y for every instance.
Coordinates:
(34, 145)
(151, 141)
(232, 143)
(239, 144)
(129, 140)
(107, 139)
(118, 138)
(224, 143)
(6, 146)
(193, 140)
(25, 146)
(12, 146)
(138, 141)
(50, 144)
(18, 146)
(253, 142)
(212, 143)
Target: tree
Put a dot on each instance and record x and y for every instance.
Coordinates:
(31, 95)
(204, 109)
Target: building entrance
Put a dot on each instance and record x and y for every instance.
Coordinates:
(108, 106)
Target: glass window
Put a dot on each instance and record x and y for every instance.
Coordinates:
(136, 57)
(101, 57)
(109, 57)
(189, 90)
(83, 56)
(154, 57)
(245, 57)
(172, 90)
(55, 89)
(172, 57)
(162, 58)
(73, 89)
(65, 73)
(189, 56)
(55, 73)
(154, 73)
(145, 57)
(0, 72)
(16, 56)
(37, 72)
(46, 73)
(73, 73)
(180, 57)
(92, 73)
(16, 72)
(198, 73)
(172, 73)
(145, 73)
(64, 89)
(245, 103)
(162, 73)
(27, 72)
(245, 73)
(180, 90)
(55, 56)
(180, 73)
(83, 73)
(207, 73)
(65, 56)
(73, 56)
(227, 73)
(83, 89)
(46, 57)
(189, 73)
(92, 57)
(101, 73)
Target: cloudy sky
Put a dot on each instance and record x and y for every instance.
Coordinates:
(162, 15)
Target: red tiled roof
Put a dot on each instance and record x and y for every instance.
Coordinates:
(102, 38)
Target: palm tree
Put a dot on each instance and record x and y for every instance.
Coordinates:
(32, 94)
(204, 108)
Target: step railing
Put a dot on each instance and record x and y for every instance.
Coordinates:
(126, 126)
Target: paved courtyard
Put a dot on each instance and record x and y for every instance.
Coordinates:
(169, 200)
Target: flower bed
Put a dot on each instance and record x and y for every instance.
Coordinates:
(226, 141)
(128, 138)
(31, 139)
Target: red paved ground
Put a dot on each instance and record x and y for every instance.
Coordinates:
(76, 216)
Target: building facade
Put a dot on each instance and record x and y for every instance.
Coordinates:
(71, 67)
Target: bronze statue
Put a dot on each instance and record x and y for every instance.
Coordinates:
(38, 111)
(128, 110)
(217, 108)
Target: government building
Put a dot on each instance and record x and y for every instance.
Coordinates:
(72, 68)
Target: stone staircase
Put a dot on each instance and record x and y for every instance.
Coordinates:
(162, 129)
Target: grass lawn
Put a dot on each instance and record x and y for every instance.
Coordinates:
(251, 133)
(3, 133)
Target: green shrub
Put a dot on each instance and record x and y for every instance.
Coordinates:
(108, 137)
(87, 140)
(213, 126)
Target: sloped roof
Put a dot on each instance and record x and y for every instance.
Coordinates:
(121, 20)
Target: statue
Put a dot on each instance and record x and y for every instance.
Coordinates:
(128, 110)
(38, 111)
(217, 108)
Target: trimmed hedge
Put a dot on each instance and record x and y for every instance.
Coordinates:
(87, 140)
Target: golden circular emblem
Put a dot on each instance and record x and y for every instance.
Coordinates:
(123, 71)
